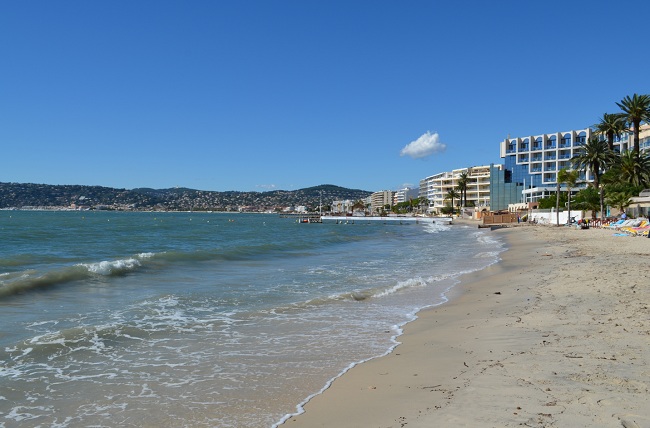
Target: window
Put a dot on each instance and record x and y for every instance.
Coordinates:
(566, 140)
(550, 143)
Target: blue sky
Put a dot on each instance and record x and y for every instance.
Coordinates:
(260, 95)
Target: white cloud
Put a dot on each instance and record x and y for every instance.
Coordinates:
(266, 186)
(424, 146)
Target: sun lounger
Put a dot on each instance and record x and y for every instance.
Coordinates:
(614, 224)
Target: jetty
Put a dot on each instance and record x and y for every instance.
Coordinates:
(341, 219)
(385, 220)
(303, 217)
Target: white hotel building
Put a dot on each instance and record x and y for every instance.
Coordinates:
(435, 187)
(534, 161)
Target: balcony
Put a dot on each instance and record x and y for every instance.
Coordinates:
(549, 147)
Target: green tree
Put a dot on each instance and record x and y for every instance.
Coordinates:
(450, 196)
(634, 111)
(610, 126)
(570, 178)
(588, 199)
(620, 200)
(423, 204)
(551, 201)
(461, 186)
(358, 204)
(596, 157)
(632, 169)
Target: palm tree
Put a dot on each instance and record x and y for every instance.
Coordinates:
(423, 203)
(359, 204)
(610, 126)
(570, 178)
(632, 169)
(588, 199)
(451, 195)
(634, 111)
(594, 156)
(620, 200)
(463, 181)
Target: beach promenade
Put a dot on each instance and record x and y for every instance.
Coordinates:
(556, 334)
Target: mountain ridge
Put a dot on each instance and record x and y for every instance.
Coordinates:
(30, 195)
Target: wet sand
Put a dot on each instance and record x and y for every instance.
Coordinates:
(555, 334)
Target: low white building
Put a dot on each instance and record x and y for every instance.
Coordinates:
(435, 187)
(404, 195)
(342, 207)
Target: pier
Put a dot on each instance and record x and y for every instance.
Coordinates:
(303, 217)
(317, 218)
(386, 220)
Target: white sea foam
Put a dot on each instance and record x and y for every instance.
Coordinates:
(412, 282)
(111, 267)
(146, 255)
(435, 227)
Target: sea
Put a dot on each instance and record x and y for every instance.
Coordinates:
(152, 319)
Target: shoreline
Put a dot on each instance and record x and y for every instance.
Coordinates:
(549, 335)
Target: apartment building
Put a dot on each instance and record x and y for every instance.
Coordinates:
(404, 195)
(379, 200)
(435, 187)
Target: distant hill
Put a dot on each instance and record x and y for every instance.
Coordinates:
(18, 195)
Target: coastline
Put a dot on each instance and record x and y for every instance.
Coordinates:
(555, 334)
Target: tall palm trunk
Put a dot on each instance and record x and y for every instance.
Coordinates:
(557, 204)
(568, 194)
(610, 140)
(637, 146)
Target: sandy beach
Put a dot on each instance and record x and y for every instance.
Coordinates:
(556, 334)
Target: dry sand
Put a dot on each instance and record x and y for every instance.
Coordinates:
(557, 334)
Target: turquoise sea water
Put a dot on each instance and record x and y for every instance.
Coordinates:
(204, 319)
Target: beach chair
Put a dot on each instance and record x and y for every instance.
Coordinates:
(614, 224)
